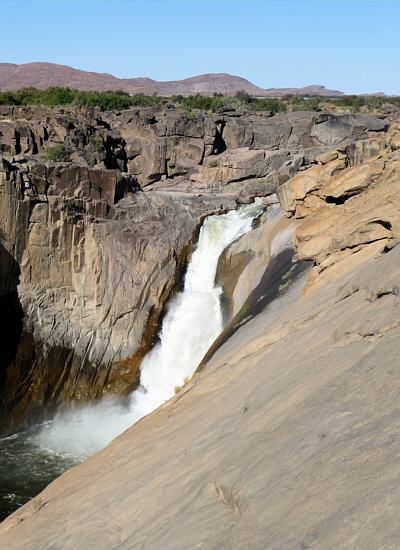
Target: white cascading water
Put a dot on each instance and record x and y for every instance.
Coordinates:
(192, 323)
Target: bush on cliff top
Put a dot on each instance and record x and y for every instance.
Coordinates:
(107, 101)
(53, 97)
(57, 153)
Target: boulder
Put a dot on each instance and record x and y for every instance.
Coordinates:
(271, 133)
(324, 158)
(364, 150)
(305, 182)
(352, 180)
(185, 154)
(237, 133)
(331, 129)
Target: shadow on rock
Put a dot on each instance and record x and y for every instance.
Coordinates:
(11, 313)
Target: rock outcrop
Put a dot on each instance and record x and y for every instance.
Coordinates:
(172, 149)
(243, 264)
(350, 212)
(99, 211)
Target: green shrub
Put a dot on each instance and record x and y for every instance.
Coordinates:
(186, 381)
(269, 104)
(57, 153)
(204, 103)
(97, 143)
(303, 103)
(119, 100)
(54, 96)
(74, 210)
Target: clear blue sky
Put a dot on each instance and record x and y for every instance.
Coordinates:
(352, 45)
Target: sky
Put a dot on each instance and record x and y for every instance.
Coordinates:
(350, 45)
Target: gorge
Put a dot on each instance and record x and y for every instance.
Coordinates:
(191, 324)
(31, 459)
(296, 220)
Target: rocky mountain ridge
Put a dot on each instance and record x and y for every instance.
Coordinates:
(44, 75)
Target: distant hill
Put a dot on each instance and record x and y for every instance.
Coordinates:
(44, 75)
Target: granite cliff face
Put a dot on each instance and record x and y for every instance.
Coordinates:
(92, 279)
(288, 438)
(93, 246)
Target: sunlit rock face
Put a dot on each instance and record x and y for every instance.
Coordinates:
(347, 212)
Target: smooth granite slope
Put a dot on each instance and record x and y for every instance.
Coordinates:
(289, 439)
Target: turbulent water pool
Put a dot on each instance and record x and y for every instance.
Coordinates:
(31, 460)
(26, 468)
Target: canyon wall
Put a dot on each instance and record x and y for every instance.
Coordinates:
(99, 212)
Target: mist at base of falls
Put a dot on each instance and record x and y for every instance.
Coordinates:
(192, 322)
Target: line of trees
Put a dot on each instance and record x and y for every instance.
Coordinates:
(106, 101)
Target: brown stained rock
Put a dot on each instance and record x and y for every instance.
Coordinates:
(282, 131)
(272, 133)
(308, 181)
(78, 181)
(287, 131)
(244, 164)
(237, 133)
(324, 158)
(186, 153)
(364, 150)
(331, 129)
(352, 181)
(393, 136)
(8, 138)
(232, 165)
(340, 237)
(146, 152)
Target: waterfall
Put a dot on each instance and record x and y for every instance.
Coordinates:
(192, 322)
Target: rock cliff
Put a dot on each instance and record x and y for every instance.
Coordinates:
(92, 278)
(99, 211)
(288, 438)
